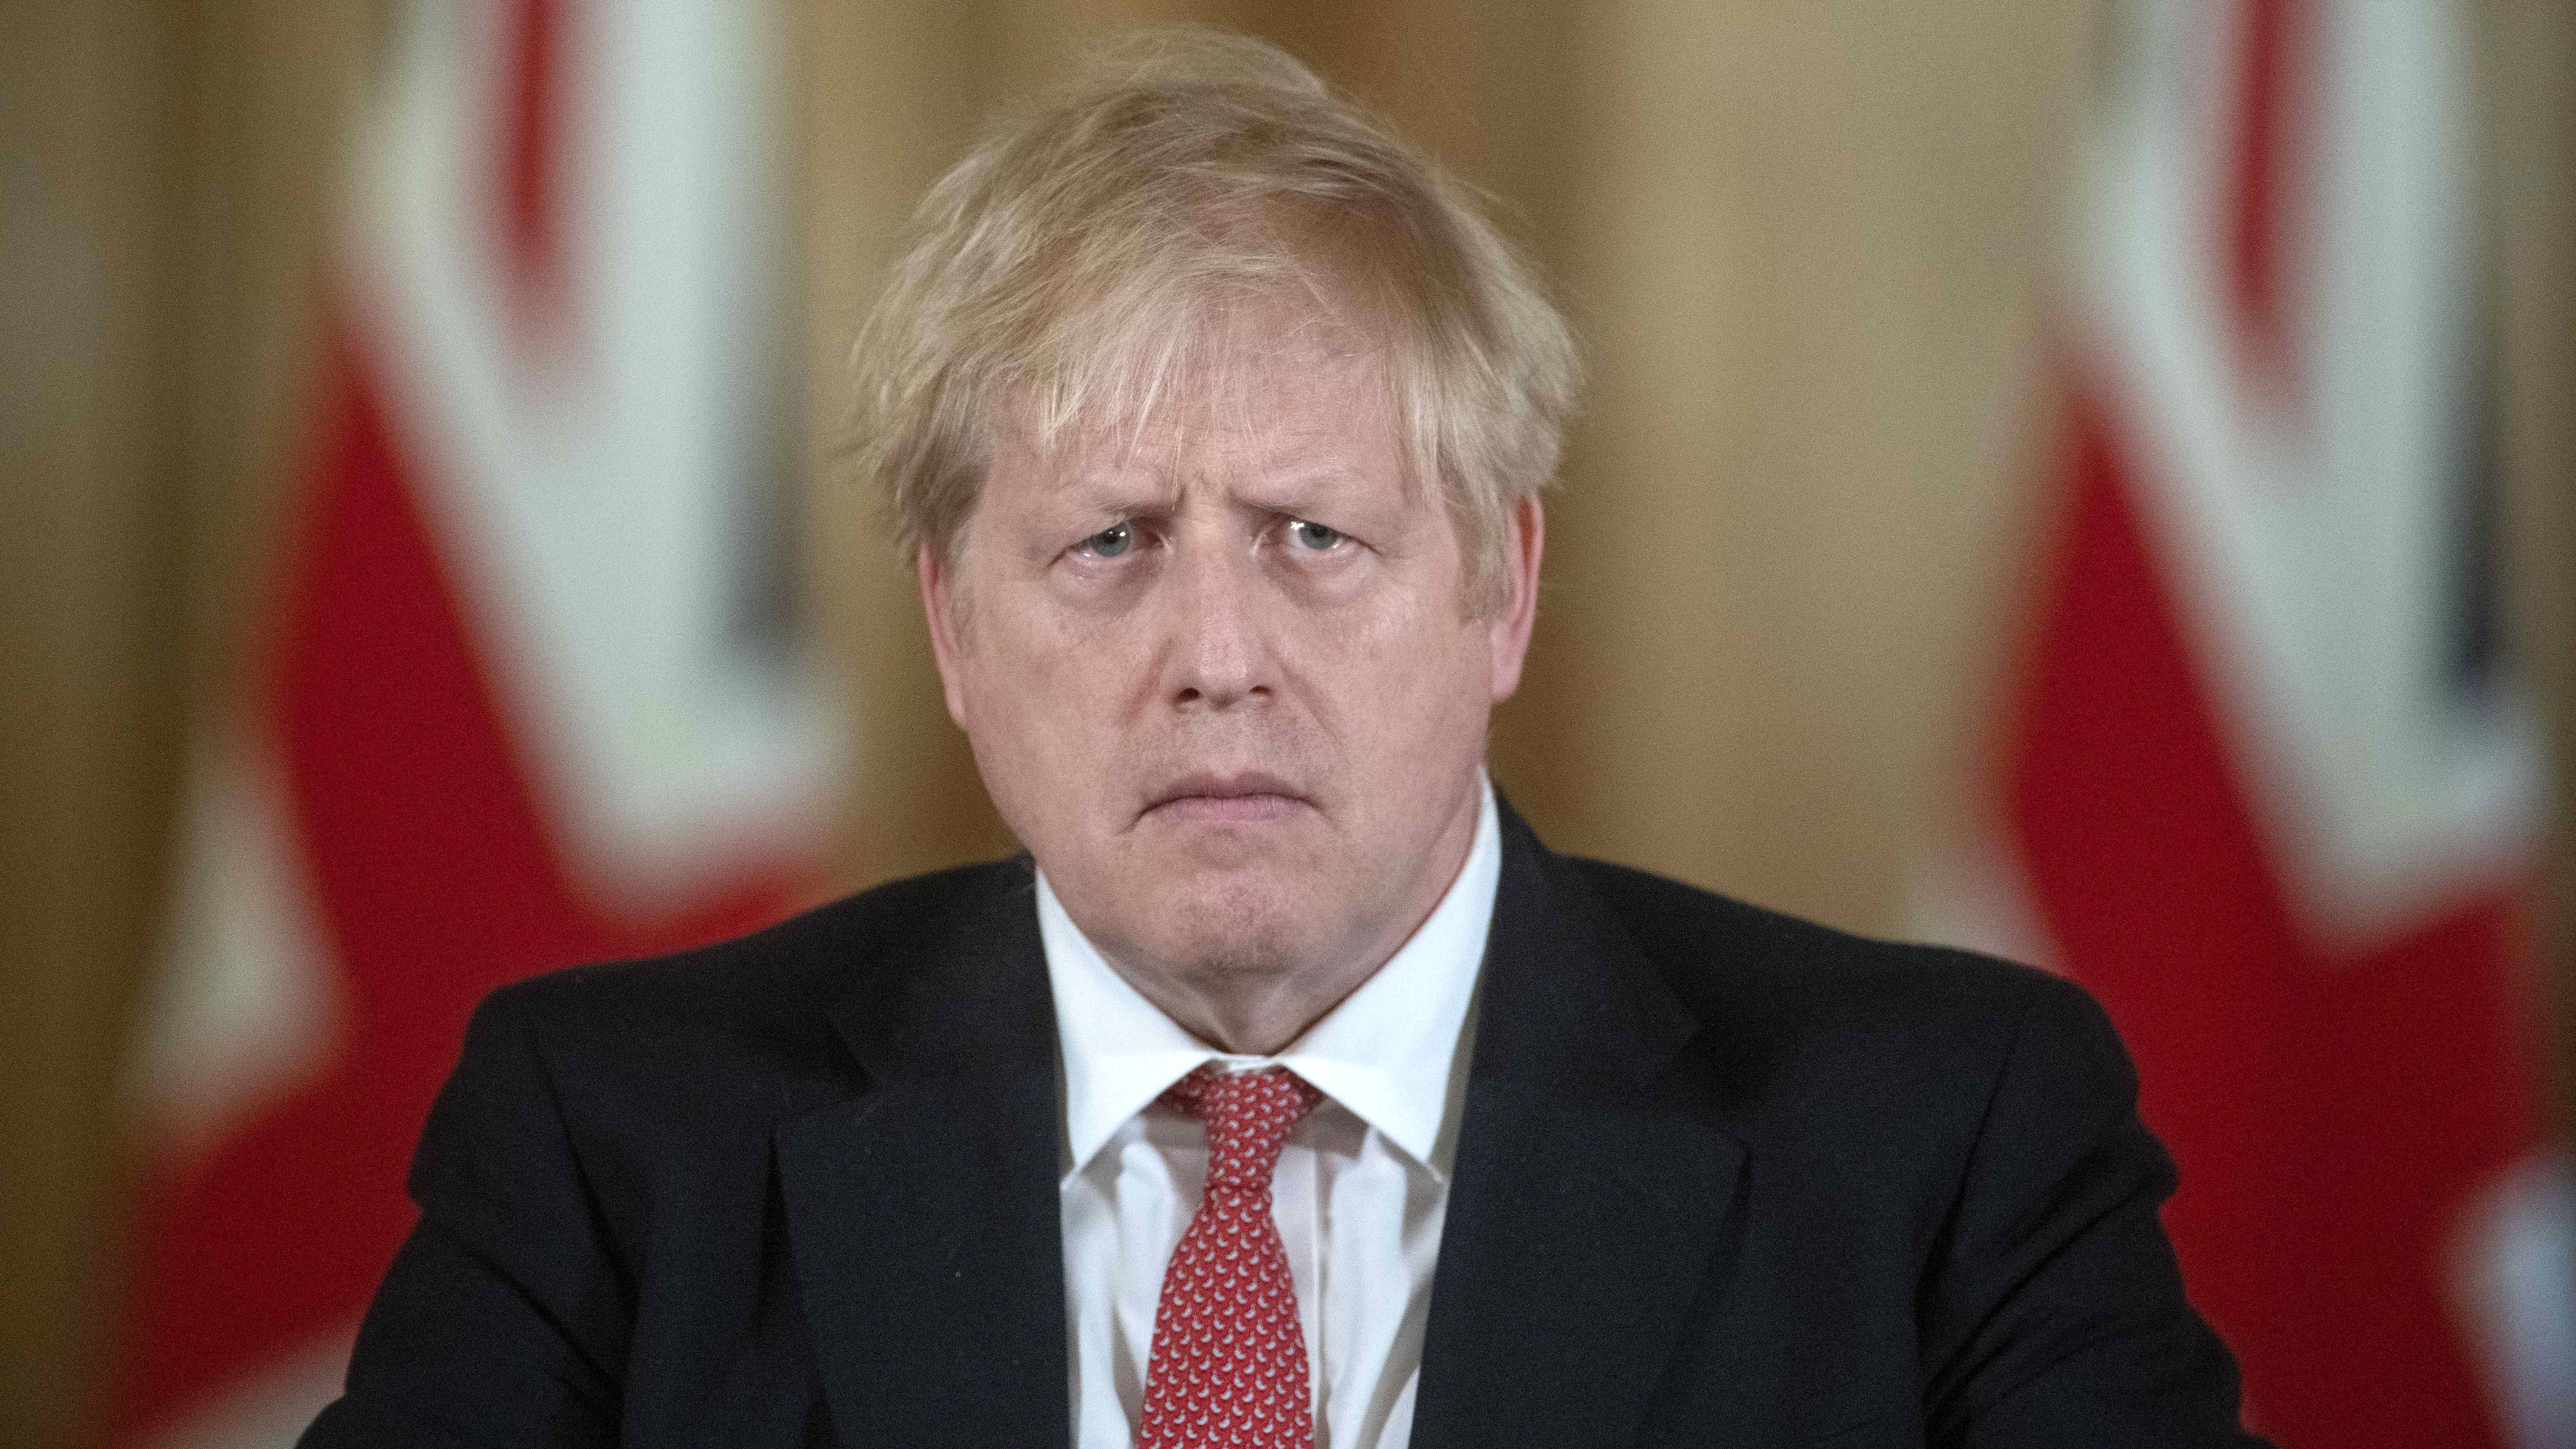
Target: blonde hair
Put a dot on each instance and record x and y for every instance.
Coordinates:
(1136, 246)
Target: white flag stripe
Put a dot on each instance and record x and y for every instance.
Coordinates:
(2310, 540)
(244, 1004)
(588, 495)
(270, 1409)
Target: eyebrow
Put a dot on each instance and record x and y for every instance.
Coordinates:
(1126, 490)
(1284, 490)
(1121, 495)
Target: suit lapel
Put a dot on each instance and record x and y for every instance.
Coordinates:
(1587, 1198)
(923, 1212)
(1588, 1190)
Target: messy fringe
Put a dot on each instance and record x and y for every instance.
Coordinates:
(1147, 245)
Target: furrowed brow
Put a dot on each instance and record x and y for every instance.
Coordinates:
(1310, 488)
(1118, 493)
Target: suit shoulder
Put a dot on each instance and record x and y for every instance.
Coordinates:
(780, 979)
(1720, 954)
(1819, 1035)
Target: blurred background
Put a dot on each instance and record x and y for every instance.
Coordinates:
(2092, 479)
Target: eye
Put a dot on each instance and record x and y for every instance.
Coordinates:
(1110, 542)
(1313, 537)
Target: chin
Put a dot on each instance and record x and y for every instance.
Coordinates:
(1233, 923)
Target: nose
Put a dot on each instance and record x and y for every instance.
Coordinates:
(1218, 656)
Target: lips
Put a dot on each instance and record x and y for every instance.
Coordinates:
(1246, 798)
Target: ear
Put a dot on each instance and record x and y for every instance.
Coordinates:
(1510, 625)
(938, 606)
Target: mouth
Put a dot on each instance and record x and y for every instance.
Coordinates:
(1249, 798)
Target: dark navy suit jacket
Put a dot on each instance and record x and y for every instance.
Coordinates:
(1724, 1178)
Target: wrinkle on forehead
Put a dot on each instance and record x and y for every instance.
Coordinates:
(1170, 376)
(1286, 419)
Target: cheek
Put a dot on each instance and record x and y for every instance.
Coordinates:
(1036, 701)
(1410, 689)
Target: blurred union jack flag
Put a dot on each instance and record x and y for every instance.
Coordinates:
(2264, 780)
(525, 690)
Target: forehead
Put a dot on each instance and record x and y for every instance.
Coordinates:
(1300, 417)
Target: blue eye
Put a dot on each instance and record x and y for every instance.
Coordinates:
(1110, 542)
(1314, 536)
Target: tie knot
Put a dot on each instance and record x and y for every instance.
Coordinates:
(1249, 1116)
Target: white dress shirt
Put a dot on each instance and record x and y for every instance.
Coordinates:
(1359, 1195)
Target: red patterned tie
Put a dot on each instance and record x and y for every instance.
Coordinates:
(1229, 1361)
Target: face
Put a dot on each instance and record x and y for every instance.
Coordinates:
(1222, 681)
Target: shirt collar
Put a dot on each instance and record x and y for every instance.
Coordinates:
(1384, 1053)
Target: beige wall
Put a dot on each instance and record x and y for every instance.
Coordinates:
(2528, 55)
(1804, 236)
(84, 558)
(160, 210)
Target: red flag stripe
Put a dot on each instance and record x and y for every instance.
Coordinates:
(532, 142)
(437, 880)
(2331, 1116)
(2254, 251)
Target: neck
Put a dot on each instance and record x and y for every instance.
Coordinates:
(1258, 1022)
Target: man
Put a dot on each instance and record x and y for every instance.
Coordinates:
(1289, 1092)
